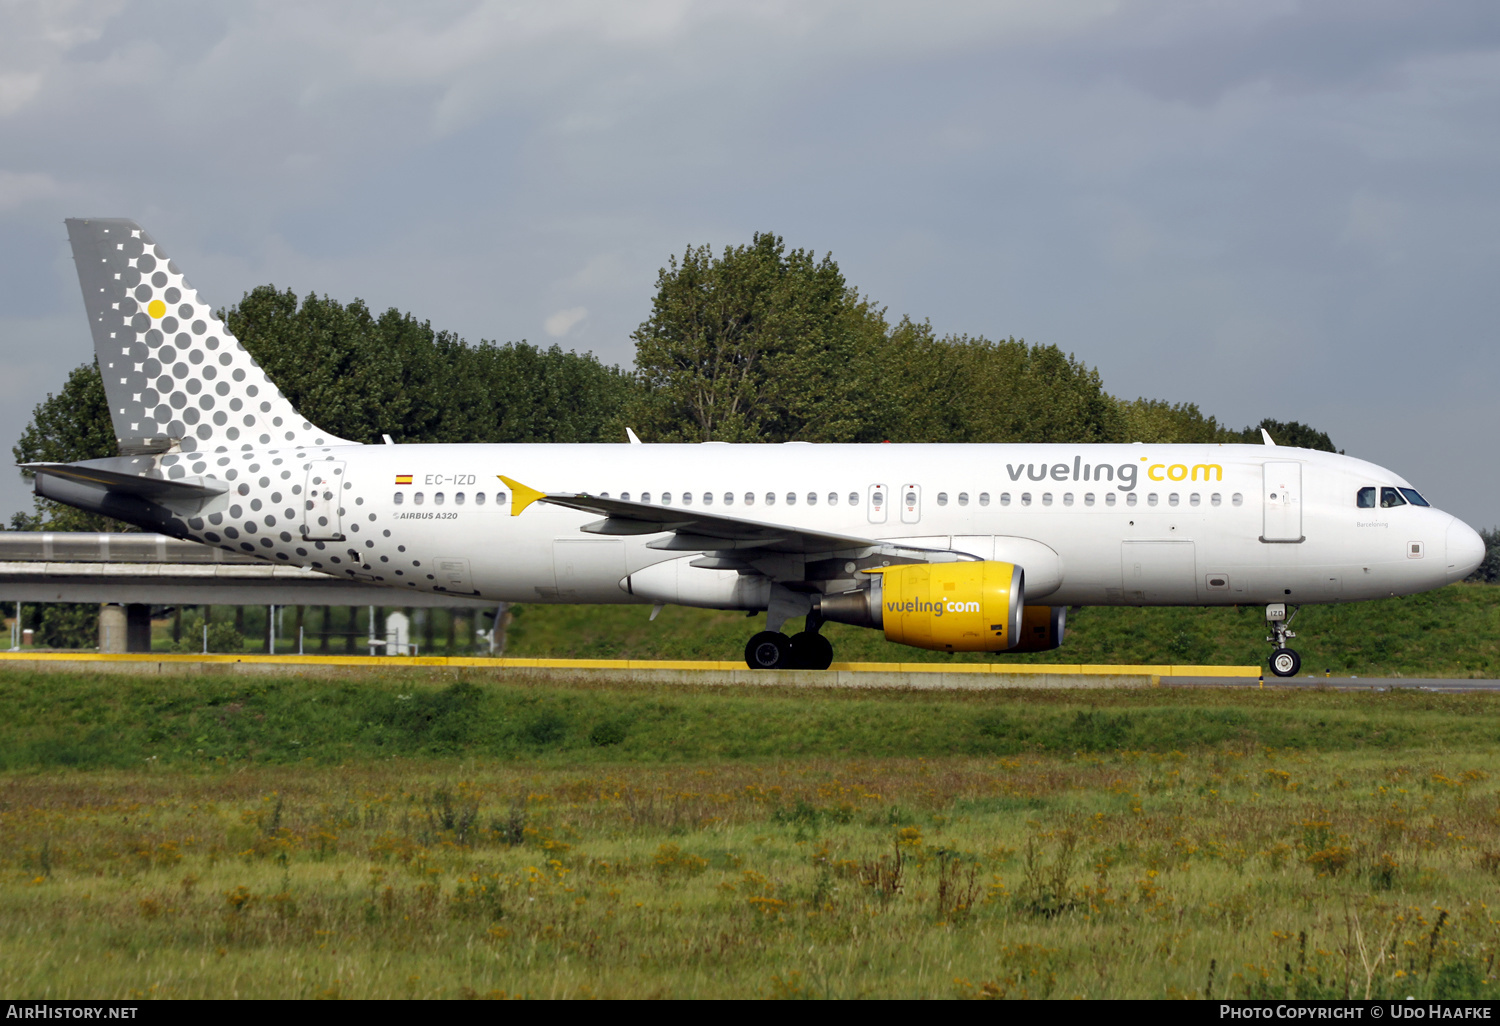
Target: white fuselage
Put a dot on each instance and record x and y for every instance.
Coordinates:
(1101, 524)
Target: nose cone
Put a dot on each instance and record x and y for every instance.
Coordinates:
(1465, 549)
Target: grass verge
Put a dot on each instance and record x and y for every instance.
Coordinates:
(167, 837)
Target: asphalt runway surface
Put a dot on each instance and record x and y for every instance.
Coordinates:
(1443, 684)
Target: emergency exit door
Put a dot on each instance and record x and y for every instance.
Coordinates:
(911, 504)
(1282, 495)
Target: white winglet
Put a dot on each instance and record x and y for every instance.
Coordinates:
(1267, 436)
(632, 436)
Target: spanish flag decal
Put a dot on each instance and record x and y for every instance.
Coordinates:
(403, 479)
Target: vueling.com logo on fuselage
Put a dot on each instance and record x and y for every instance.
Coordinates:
(1125, 473)
(937, 608)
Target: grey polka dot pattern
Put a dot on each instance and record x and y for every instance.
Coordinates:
(189, 404)
(167, 360)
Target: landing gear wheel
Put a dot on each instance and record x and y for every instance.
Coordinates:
(1285, 662)
(769, 650)
(811, 651)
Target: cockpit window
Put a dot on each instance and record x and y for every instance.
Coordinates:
(1390, 497)
(1414, 497)
(1366, 498)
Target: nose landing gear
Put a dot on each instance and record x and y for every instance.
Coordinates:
(1285, 662)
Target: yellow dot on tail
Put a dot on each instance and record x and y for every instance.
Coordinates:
(156, 308)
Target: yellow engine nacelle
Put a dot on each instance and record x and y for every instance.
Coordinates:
(951, 607)
(1042, 628)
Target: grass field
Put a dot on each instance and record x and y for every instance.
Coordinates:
(384, 838)
(1452, 632)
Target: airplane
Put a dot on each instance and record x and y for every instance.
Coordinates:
(949, 547)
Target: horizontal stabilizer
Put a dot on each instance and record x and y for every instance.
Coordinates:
(111, 476)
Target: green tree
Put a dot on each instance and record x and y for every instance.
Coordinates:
(1158, 421)
(361, 376)
(1289, 432)
(1488, 572)
(70, 425)
(761, 344)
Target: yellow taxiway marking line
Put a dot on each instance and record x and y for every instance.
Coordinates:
(1083, 669)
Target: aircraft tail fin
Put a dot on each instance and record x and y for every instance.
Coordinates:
(175, 378)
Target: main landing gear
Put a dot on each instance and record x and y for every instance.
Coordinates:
(807, 650)
(1284, 661)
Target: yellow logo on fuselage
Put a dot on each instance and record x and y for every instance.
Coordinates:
(1181, 472)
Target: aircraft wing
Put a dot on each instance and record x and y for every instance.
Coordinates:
(691, 530)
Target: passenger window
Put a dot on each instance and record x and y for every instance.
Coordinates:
(1088, 498)
(479, 498)
(1046, 498)
(729, 498)
(1365, 498)
(1172, 499)
(984, 498)
(1151, 499)
(854, 498)
(417, 498)
(1067, 498)
(687, 498)
(749, 498)
(1130, 498)
(1194, 499)
(812, 498)
(708, 498)
(645, 496)
(833, 498)
(1026, 498)
(942, 498)
(1390, 497)
(963, 498)
(1238, 499)
(1005, 498)
(770, 498)
(399, 499)
(437, 498)
(500, 498)
(624, 496)
(1109, 498)
(666, 498)
(791, 498)
(1216, 499)
(458, 498)
(1414, 498)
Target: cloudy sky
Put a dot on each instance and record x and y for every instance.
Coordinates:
(1270, 208)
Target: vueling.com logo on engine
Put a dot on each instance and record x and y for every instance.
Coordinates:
(937, 608)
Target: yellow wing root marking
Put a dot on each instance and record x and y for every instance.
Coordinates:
(521, 496)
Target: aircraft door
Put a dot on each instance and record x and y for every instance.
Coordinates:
(1282, 495)
(322, 502)
(452, 573)
(911, 503)
(1158, 573)
(588, 569)
(878, 500)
